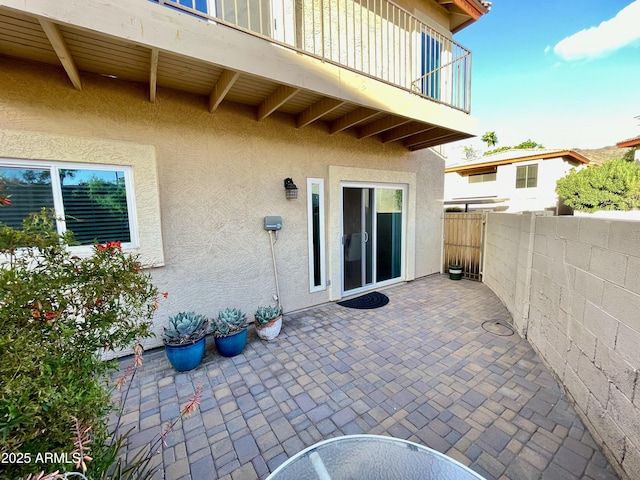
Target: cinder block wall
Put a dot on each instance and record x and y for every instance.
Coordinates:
(572, 286)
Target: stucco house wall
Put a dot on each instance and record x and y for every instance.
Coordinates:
(572, 285)
(210, 180)
(537, 198)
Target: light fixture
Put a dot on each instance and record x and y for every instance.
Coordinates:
(290, 188)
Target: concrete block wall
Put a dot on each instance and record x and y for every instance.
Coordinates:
(572, 286)
(507, 259)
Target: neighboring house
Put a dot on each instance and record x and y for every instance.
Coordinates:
(173, 128)
(631, 143)
(511, 181)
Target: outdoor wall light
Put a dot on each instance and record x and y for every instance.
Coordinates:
(290, 188)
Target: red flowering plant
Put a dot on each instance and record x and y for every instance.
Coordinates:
(58, 311)
(4, 200)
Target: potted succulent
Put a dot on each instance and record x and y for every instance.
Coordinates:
(230, 332)
(268, 322)
(185, 339)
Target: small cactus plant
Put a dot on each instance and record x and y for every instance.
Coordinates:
(265, 314)
(185, 327)
(228, 322)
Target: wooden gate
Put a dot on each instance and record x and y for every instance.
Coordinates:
(463, 243)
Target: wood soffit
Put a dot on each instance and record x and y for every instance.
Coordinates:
(464, 12)
(80, 52)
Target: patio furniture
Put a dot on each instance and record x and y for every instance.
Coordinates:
(371, 457)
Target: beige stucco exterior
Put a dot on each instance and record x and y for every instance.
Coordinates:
(204, 182)
(29, 145)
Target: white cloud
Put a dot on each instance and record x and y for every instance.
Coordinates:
(610, 35)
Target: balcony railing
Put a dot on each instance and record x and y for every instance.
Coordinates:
(373, 37)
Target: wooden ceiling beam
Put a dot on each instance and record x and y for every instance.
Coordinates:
(352, 119)
(274, 101)
(405, 131)
(222, 87)
(434, 142)
(52, 31)
(318, 110)
(382, 125)
(427, 137)
(153, 75)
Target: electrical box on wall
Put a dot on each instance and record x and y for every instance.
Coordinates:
(272, 223)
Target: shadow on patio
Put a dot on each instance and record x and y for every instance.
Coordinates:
(423, 368)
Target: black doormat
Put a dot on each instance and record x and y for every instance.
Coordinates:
(367, 301)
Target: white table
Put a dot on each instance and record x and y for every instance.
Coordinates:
(371, 457)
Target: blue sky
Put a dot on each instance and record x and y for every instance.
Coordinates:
(565, 73)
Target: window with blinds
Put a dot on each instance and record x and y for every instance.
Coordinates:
(94, 202)
(482, 177)
(527, 176)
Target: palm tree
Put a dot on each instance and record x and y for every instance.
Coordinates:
(490, 138)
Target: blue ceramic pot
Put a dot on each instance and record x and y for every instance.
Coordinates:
(186, 357)
(232, 345)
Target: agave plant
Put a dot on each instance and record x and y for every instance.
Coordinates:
(228, 322)
(265, 314)
(185, 327)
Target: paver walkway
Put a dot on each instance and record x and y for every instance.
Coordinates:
(423, 368)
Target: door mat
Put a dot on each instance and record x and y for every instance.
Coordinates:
(367, 301)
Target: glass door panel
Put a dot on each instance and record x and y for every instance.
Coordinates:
(373, 225)
(368, 226)
(357, 223)
(388, 233)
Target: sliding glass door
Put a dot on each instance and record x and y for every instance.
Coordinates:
(372, 236)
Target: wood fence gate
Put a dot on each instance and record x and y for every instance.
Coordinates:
(463, 243)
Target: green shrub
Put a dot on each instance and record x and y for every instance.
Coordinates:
(57, 312)
(613, 186)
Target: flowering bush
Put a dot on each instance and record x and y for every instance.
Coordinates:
(57, 312)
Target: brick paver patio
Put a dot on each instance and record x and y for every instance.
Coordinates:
(423, 368)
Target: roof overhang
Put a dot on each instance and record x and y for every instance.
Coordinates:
(149, 44)
(483, 166)
(631, 142)
(464, 12)
(475, 201)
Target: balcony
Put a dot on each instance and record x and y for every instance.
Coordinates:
(376, 38)
(367, 67)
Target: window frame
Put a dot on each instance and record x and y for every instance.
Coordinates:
(526, 175)
(321, 233)
(58, 203)
(482, 177)
(405, 227)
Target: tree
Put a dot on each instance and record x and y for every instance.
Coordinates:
(496, 150)
(613, 186)
(110, 195)
(490, 138)
(526, 144)
(630, 155)
(529, 144)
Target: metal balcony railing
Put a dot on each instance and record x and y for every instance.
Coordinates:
(373, 37)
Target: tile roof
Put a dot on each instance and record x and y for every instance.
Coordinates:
(629, 142)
